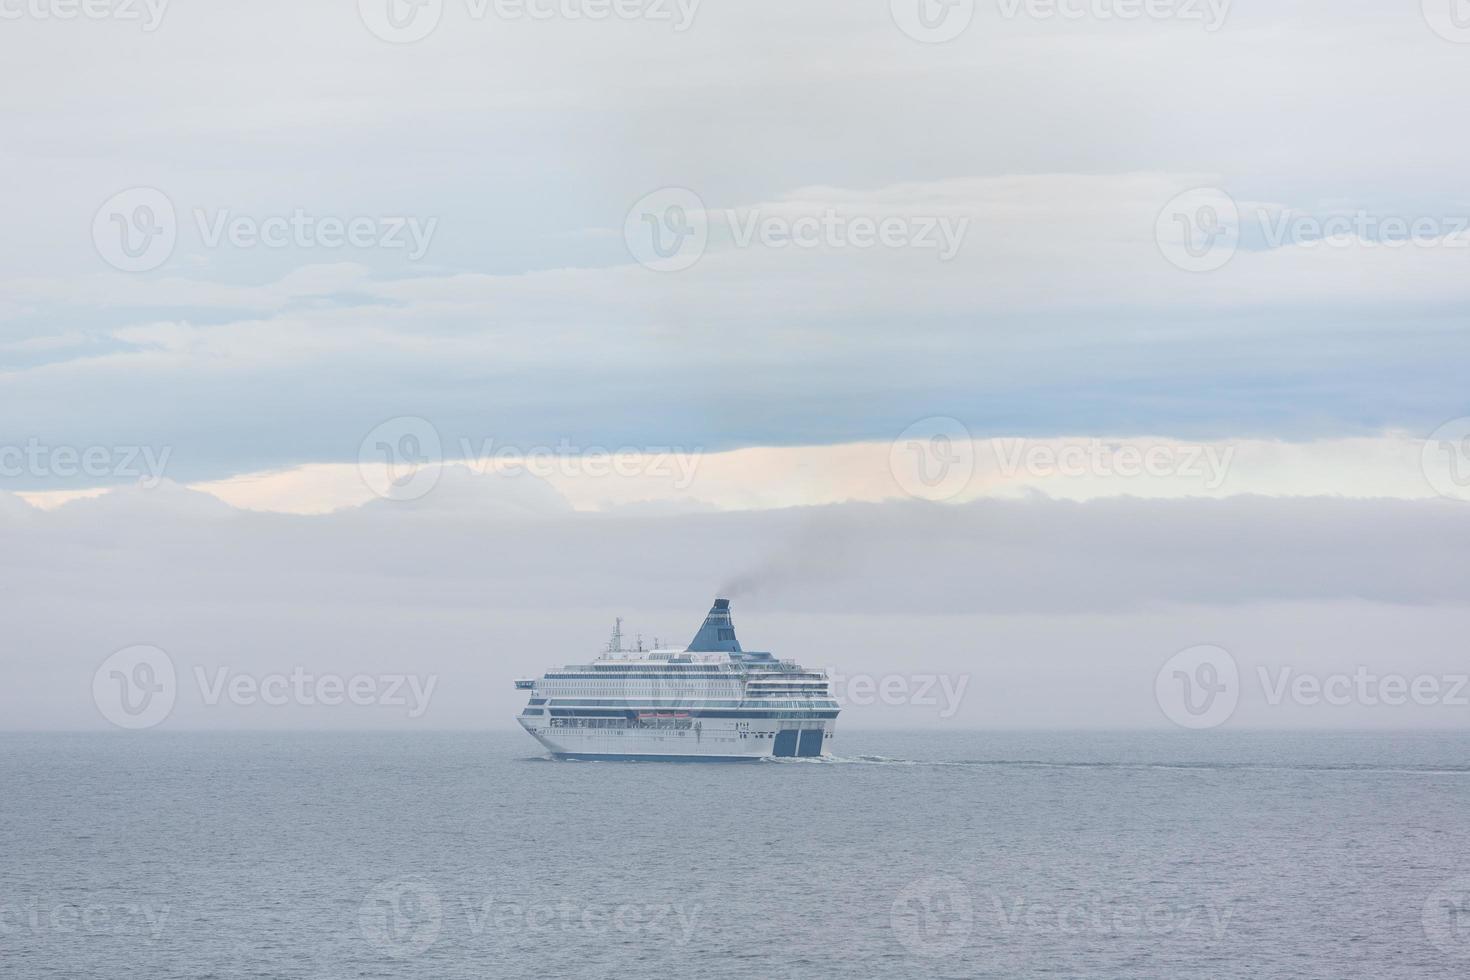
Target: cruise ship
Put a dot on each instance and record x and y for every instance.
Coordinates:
(708, 702)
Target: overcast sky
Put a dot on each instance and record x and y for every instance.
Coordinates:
(958, 339)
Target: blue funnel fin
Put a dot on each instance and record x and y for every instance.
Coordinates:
(717, 635)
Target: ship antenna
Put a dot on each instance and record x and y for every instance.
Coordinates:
(616, 646)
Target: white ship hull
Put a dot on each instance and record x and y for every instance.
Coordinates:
(714, 741)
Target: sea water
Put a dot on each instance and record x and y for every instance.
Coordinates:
(935, 854)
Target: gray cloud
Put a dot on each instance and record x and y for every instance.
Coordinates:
(496, 579)
(527, 321)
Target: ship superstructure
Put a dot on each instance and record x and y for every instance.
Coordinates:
(709, 701)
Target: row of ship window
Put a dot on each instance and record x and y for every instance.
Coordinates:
(666, 675)
(807, 713)
(665, 723)
(683, 703)
(673, 675)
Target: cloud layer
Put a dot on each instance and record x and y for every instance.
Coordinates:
(1058, 612)
(1057, 143)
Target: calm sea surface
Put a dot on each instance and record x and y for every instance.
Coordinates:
(949, 855)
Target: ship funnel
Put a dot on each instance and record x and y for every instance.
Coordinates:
(717, 635)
